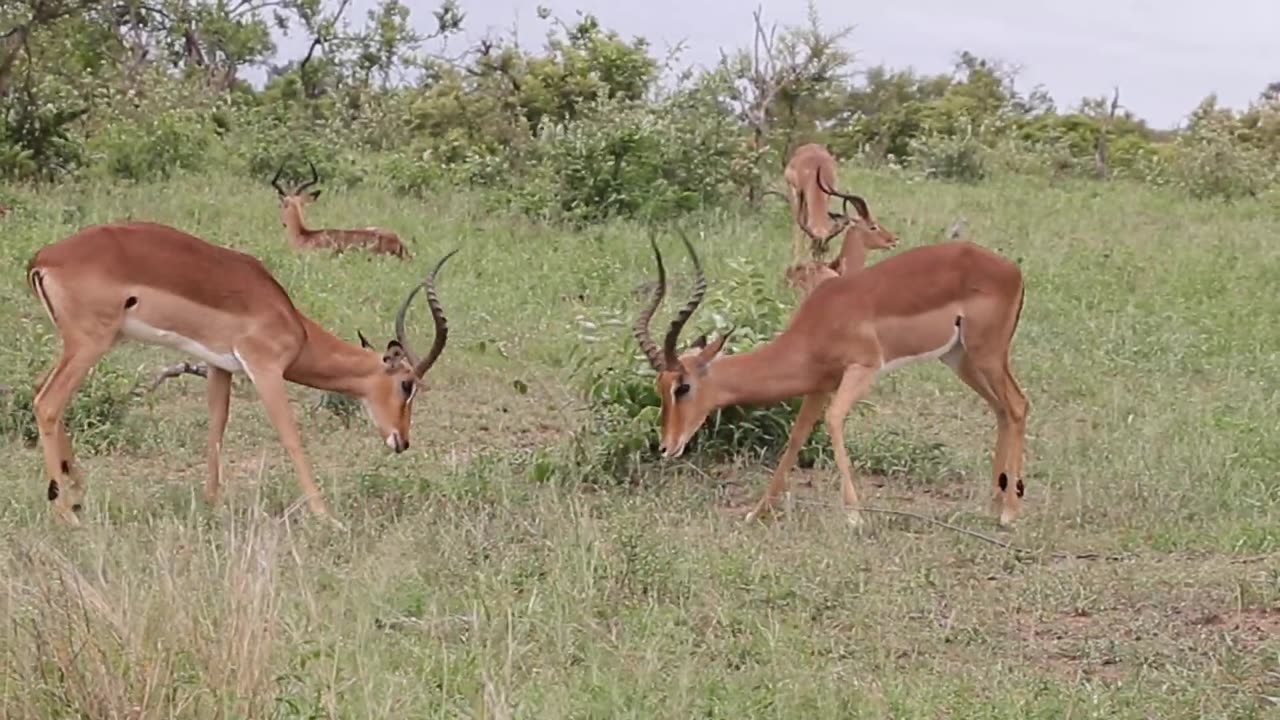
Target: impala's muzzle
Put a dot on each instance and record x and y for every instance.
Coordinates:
(674, 450)
(396, 442)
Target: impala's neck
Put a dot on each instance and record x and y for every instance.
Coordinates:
(329, 363)
(768, 374)
(854, 252)
(816, 206)
(292, 212)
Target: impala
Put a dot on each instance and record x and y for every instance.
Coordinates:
(811, 179)
(860, 235)
(160, 286)
(376, 240)
(956, 302)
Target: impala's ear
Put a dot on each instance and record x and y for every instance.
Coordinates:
(395, 353)
(364, 341)
(699, 342)
(712, 350)
(313, 195)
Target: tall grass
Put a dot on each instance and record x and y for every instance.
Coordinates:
(472, 583)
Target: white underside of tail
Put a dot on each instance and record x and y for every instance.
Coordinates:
(934, 354)
(138, 331)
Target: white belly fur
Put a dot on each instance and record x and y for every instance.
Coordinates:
(896, 363)
(138, 331)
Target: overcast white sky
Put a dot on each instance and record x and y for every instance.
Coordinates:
(1164, 54)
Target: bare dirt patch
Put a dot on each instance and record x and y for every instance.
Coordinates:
(1113, 643)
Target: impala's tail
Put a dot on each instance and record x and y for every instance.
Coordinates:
(35, 281)
(1017, 315)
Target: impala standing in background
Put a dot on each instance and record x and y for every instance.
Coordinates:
(811, 180)
(860, 235)
(956, 302)
(374, 239)
(157, 285)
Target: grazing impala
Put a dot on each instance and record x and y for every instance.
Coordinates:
(956, 302)
(860, 235)
(376, 240)
(811, 181)
(157, 285)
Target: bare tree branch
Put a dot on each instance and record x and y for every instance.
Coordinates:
(1101, 157)
(173, 371)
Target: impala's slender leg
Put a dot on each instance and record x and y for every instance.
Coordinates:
(798, 254)
(800, 431)
(961, 362)
(1008, 485)
(271, 388)
(853, 387)
(66, 483)
(219, 397)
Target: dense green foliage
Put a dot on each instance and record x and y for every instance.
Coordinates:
(589, 126)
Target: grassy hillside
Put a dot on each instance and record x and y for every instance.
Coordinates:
(468, 587)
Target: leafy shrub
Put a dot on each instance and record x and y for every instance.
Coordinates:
(95, 417)
(1042, 158)
(622, 429)
(39, 140)
(1211, 161)
(626, 159)
(960, 157)
(151, 135)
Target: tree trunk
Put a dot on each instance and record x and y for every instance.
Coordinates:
(9, 49)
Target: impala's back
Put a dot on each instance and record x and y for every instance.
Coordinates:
(158, 285)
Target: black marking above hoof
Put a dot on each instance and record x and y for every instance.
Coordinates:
(130, 302)
(1004, 483)
(1020, 488)
(53, 490)
(66, 468)
(77, 508)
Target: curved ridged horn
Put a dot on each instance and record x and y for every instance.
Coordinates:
(817, 243)
(315, 178)
(641, 328)
(275, 181)
(858, 203)
(699, 289)
(420, 367)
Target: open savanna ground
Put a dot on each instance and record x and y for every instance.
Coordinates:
(490, 572)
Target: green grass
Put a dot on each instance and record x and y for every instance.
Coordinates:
(1148, 348)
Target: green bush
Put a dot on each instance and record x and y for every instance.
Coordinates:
(39, 141)
(961, 157)
(1211, 161)
(95, 417)
(625, 159)
(622, 430)
(149, 136)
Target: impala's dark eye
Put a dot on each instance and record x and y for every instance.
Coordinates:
(407, 386)
(681, 390)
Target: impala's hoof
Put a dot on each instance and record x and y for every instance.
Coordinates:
(70, 515)
(763, 511)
